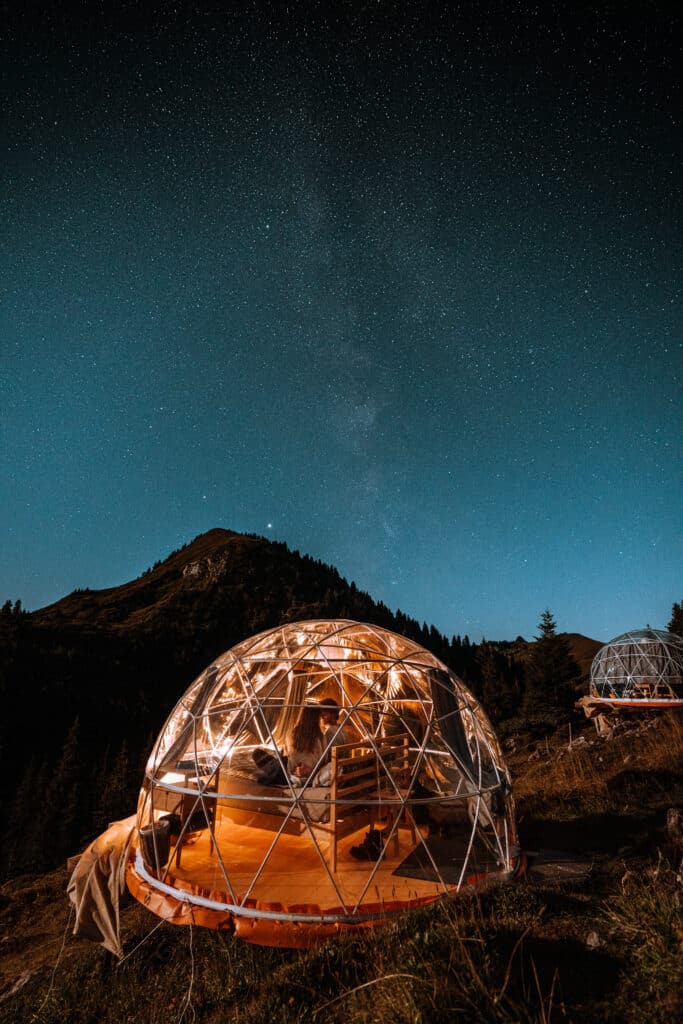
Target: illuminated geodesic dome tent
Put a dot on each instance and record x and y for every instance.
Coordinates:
(641, 668)
(408, 800)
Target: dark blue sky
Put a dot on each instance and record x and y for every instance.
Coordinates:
(399, 285)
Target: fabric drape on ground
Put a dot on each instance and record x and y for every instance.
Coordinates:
(97, 884)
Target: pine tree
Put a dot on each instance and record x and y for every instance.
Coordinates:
(497, 687)
(116, 799)
(64, 820)
(26, 839)
(99, 812)
(547, 625)
(676, 623)
(17, 858)
(551, 671)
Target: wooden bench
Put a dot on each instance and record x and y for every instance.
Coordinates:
(360, 794)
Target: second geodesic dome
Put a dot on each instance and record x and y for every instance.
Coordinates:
(416, 803)
(643, 667)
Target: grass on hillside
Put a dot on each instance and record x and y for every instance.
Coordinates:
(603, 946)
(636, 769)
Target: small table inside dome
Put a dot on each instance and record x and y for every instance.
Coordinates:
(195, 814)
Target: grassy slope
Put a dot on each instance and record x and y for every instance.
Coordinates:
(515, 953)
(583, 651)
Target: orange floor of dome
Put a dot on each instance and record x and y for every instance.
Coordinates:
(294, 881)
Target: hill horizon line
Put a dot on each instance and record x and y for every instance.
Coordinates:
(214, 542)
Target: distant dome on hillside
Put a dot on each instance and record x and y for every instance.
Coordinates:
(643, 666)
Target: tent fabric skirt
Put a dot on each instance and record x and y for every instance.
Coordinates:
(266, 924)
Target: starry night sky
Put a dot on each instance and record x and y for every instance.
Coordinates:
(398, 284)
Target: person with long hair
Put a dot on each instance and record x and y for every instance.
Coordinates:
(305, 745)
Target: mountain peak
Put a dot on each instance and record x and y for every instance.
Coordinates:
(206, 545)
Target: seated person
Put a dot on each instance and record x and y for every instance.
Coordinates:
(305, 745)
(334, 735)
(270, 768)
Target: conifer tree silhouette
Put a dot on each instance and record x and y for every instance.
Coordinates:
(676, 623)
(64, 826)
(551, 672)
